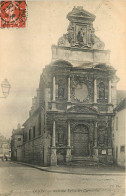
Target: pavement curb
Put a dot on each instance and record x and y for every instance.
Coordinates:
(66, 172)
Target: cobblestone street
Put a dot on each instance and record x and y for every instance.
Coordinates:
(20, 180)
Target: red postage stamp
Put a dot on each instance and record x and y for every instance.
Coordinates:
(13, 14)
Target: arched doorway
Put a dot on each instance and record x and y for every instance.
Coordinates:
(80, 140)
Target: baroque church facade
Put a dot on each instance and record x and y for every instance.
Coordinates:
(71, 116)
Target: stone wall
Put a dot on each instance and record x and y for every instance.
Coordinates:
(19, 154)
(119, 131)
(80, 56)
(35, 148)
(32, 151)
(33, 121)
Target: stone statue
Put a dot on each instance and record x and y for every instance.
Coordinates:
(80, 34)
(80, 38)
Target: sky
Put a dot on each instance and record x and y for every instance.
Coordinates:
(26, 51)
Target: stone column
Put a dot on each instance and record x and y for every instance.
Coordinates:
(68, 150)
(95, 153)
(109, 134)
(95, 135)
(68, 134)
(54, 135)
(109, 143)
(95, 91)
(109, 95)
(68, 88)
(54, 88)
(53, 158)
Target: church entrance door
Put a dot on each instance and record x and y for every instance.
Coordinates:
(81, 140)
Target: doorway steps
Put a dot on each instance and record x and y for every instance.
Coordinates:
(83, 161)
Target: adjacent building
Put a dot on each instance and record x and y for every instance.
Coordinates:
(71, 116)
(119, 133)
(16, 141)
(5, 148)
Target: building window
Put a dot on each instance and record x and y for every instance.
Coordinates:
(101, 90)
(25, 136)
(19, 139)
(122, 148)
(29, 134)
(34, 132)
(116, 123)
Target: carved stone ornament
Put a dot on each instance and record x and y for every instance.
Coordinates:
(80, 32)
(63, 41)
(83, 109)
(82, 88)
(81, 37)
(97, 43)
(81, 92)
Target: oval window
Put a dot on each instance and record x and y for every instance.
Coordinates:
(81, 92)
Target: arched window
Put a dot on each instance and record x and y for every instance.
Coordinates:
(101, 90)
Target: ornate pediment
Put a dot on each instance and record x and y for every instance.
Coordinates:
(82, 109)
(79, 13)
(80, 32)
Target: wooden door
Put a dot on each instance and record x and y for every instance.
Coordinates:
(81, 141)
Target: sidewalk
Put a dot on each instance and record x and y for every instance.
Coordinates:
(87, 170)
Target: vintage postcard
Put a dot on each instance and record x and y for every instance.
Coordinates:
(62, 97)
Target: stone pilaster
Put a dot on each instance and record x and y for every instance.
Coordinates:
(110, 94)
(68, 89)
(54, 90)
(95, 91)
(54, 94)
(54, 134)
(68, 155)
(95, 135)
(53, 160)
(95, 153)
(68, 150)
(68, 143)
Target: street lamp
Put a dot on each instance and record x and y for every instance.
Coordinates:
(5, 85)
